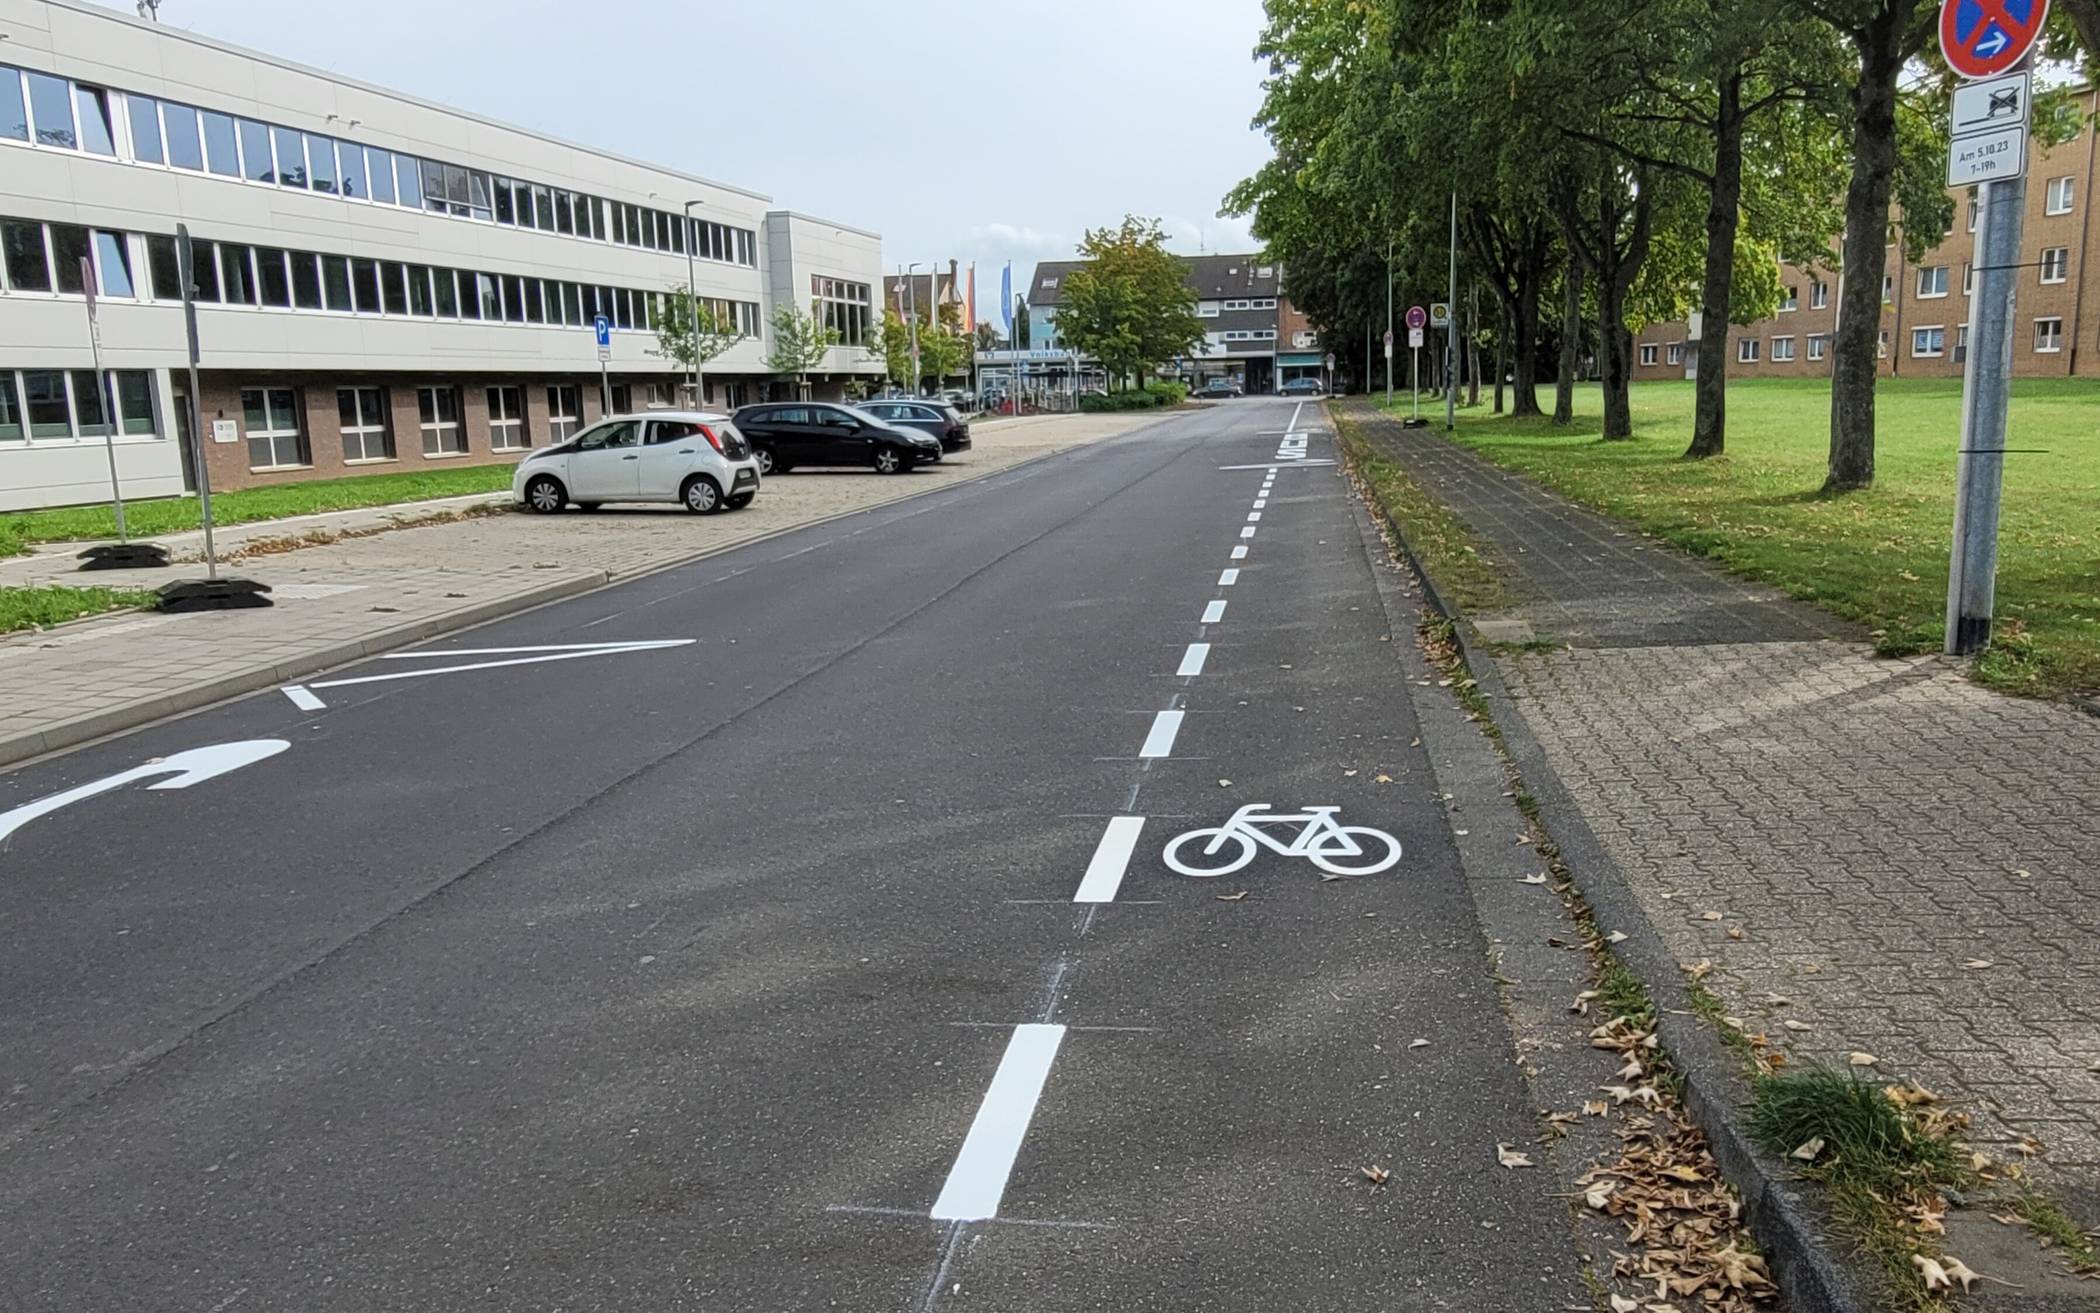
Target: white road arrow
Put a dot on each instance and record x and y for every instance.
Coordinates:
(183, 770)
(536, 655)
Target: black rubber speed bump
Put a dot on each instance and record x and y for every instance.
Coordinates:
(212, 595)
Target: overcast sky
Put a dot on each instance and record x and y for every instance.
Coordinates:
(964, 129)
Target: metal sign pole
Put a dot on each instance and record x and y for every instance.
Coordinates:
(1451, 330)
(1986, 390)
(184, 257)
(1414, 377)
(106, 398)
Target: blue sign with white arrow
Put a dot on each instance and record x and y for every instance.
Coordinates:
(1983, 38)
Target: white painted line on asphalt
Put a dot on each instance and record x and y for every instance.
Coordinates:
(1159, 740)
(1247, 532)
(1296, 464)
(977, 1182)
(184, 769)
(1104, 874)
(1300, 410)
(547, 654)
(303, 699)
(1261, 503)
(1213, 613)
(1254, 517)
(1193, 659)
(1239, 553)
(1228, 578)
(582, 649)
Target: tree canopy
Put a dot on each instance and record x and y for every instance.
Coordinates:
(1129, 305)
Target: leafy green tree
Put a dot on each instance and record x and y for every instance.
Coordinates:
(893, 344)
(988, 338)
(1021, 328)
(800, 342)
(943, 352)
(693, 333)
(1129, 305)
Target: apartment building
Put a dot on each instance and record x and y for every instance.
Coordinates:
(1925, 303)
(1240, 298)
(382, 283)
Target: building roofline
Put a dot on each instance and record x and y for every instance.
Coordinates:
(829, 223)
(227, 47)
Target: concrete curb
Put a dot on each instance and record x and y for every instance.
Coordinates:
(131, 715)
(1787, 1223)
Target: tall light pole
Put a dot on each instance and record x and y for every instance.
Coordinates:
(1388, 323)
(912, 321)
(692, 302)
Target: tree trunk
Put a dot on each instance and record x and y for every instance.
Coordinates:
(1570, 346)
(1852, 374)
(1473, 345)
(1614, 353)
(1501, 362)
(1723, 215)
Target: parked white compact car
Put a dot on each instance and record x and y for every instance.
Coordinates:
(694, 457)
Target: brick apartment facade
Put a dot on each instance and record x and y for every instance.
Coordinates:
(1925, 307)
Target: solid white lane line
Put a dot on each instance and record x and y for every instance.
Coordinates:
(1212, 614)
(1300, 410)
(302, 699)
(1239, 553)
(1247, 532)
(977, 1182)
(1228, 578)
(1104, 875)
(587, 649)
(1193, 659)
(1159, 740)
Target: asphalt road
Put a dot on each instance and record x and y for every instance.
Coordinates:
(748, 974)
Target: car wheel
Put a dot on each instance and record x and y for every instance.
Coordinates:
(888, 460)
(545, 494)
(701, 495)
(767, 465)
(738, 501)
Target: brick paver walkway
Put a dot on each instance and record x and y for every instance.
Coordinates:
(1912, 861)
(339, 599)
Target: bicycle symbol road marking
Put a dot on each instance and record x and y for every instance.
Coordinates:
(1323, 841)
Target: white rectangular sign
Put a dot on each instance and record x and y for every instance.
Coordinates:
(1987, 156)
(1414, 338)
(225, 430)
(1985, 106)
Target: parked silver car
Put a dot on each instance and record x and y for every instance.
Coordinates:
(693, 457)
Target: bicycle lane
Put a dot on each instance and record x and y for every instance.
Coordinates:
(1238, 1049)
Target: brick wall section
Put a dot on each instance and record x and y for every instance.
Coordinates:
(2075, 301)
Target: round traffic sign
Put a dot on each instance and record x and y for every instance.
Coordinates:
(1388, 339)
(1417, 316)
(1983, 38)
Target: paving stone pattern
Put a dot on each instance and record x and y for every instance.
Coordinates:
(1870, 827)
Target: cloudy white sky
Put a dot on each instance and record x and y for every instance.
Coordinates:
(964, 129)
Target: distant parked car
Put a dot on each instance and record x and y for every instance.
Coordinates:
(783, 436)
(1302, 387)
(695, 457)
(939, 418)
(1215, 390)
(959, 398)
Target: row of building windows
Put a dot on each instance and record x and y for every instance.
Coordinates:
(1249, 335)
(1927, 342)
(47, 257)
(65, 405)
(273, 422)
(50, 111)
(843, 306)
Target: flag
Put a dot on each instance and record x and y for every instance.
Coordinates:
(970, 302)
(1006, 298)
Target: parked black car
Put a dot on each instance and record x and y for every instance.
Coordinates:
(788, 434)
(1215, 390)
(943, 421)
(1301, 387)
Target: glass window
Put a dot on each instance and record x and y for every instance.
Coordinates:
(564, 412)
(363, 414)
(113, 263)
(306, 280)
(93, 106)
(379, 167)
(11, 428)
(291, 156)
(69, 246)
(678, 227)
(469, 298)
(623, 307)
(433, 183)
(144, 115)
(14, 122)
(543, 209)
(2048, 334)
(350, 166)
(236, 274)
(204, 271)
(598, 228)
(52, 101)
(364, 281)
(564, 216)
(491, 296)
(408, 175)
(447, 296)
(88, 405)
(2056, 264)
(619, 224)
(270, 282)
(438, 414)
(275, 438)
(514, 298)
(393, 288)
(28, 270)
(419, 290)
(44, 395)
(219, 151)
(506, 419)
(255, 152)
(577, 313)
(162, 266)
(478, 195)
(320, 162)
(335, 282)
(457, 189)
(505, 213)
(181, 124)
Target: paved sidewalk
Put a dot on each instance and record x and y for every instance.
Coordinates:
(346, 599)
(1912, 862)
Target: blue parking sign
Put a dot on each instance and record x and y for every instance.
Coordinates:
(603, 328)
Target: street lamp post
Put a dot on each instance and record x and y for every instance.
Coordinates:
(911, 291)
(692, 303)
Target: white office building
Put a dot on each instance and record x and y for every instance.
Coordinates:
(383, 283)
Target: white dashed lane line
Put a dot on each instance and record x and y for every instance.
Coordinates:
(1239, 553)
(1247, 532)
(977, 1182)
(1228, 578)
(1159, 741)
(1213, 613)
(1104, 875)
(1193, 659)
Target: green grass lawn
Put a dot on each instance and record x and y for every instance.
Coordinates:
(174, 514)
(1879, 557)
(26, 608)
